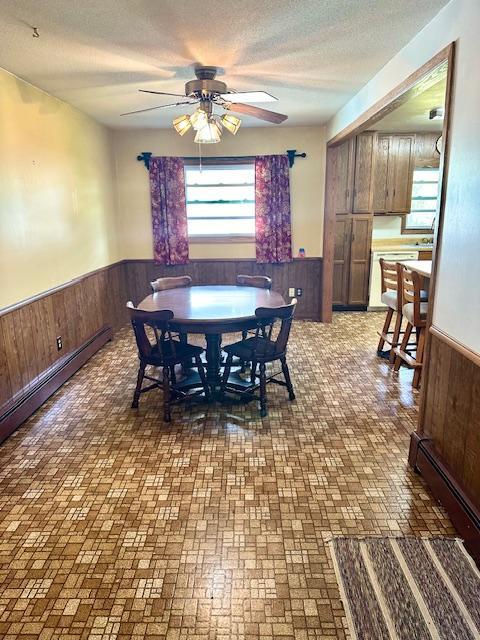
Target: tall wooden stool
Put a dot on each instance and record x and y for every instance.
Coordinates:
(392, 297)
(415, 312)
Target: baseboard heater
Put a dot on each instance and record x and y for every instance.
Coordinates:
(464, 514)
(27, 402)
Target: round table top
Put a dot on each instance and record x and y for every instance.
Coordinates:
(212, 304)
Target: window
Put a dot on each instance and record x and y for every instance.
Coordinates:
(423, 207)
(220, 200)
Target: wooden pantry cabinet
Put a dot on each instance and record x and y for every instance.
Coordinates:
(353, 175)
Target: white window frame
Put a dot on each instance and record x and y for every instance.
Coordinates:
(406, 228)
(220, 237)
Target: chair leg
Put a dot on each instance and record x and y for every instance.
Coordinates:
(263, 390)
(396, 336)
(203, 377)
(186, 364)
(166, 394)
(386, 326)
(403, 346)
(286, 375)
(136, 395)
(253, 371)
(226, 373)
(243, 364)
(419, 356)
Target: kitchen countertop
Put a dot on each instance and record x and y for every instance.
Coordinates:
(396, 244)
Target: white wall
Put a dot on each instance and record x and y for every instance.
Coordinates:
(307, 182)
(457, 306)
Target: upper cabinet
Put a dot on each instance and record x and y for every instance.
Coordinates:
(354, 173)
(343, 177)
(364, 172)
(393, 173)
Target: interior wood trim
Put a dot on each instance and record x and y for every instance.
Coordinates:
(38, 296)
(438, 231)
(464, 514)
(200, 260)
(456, 345)
(14, 414)
(393, 99)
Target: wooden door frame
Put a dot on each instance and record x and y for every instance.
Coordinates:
(391, 101)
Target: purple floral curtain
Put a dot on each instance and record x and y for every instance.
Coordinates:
(272, 209)
(169, 210)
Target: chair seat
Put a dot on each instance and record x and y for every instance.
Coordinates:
(408, 311)
(245, 349)
(390, 299)
(183, 351)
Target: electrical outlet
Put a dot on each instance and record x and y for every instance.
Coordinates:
(299, 292)
(291, 292)
(59, 343)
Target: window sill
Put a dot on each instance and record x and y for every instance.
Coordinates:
(219, 239)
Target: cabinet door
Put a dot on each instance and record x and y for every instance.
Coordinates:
(401, 193)
(340, 260)
(359, 277)
(343, 177)
(364, 172)
(380, 184)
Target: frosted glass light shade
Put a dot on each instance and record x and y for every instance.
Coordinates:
(210, 134)
(199, 119)
(231, 122)
(182, 124)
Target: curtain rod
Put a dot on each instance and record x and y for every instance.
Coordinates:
(291, 153)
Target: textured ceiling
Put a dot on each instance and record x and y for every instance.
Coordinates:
(313, 54)
(413, 114)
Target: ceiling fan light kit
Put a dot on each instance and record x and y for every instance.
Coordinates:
(208, 91)
(182, 124)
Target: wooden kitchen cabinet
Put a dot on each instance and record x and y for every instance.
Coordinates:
(359, 263)
(392, 184)
(354, 173)
(351, 266)
(364, 172)
(344, 168)
(341, 260)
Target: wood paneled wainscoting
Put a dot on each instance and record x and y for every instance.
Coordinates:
(304, 273)
(84, 312)
(445, 449)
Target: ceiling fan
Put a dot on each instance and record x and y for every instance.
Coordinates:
(208, 92)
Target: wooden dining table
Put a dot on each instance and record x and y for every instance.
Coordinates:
(212, 310)
(422, 267)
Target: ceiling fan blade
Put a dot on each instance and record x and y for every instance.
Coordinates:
(248, 96)
(256, 112)
(162, 106)
(162, 93)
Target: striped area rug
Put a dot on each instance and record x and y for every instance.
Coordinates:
(408, 588)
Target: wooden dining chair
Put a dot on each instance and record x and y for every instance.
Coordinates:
(260, 349)
(165, 352)
(415, 312)
(177, 282)
(261, 282)
(392, 298)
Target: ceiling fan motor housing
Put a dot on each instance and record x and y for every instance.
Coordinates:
(205, 85)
